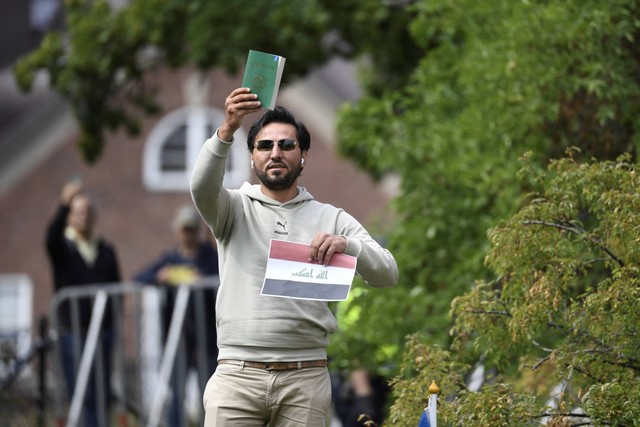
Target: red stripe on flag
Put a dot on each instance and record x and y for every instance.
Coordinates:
(299, 252)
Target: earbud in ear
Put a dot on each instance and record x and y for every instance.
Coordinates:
(251, 164)
(302, 161)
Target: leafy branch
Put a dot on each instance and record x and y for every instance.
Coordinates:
(579, 231)
(588, 422)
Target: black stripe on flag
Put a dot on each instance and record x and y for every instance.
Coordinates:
(294, 289)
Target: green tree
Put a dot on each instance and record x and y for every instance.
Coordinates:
(562, 313)
(496, 79)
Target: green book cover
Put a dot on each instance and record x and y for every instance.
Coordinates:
(262, 74)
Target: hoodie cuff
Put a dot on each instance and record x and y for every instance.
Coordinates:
(354, 246)
(217, 146)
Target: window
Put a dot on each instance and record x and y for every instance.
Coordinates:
(173, 146)
(16, 302)
(173, 155)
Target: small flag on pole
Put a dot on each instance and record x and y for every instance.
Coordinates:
(424, 419)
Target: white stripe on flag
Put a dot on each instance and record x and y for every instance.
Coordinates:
(305, 272)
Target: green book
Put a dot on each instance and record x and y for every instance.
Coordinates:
(262, 74)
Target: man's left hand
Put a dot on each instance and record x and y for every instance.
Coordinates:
(324, 245)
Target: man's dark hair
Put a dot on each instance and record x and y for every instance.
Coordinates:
(280, 115)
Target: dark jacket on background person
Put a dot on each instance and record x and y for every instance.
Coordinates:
(70, 269)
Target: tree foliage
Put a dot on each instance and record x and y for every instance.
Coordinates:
(497, 79)
(560, 321)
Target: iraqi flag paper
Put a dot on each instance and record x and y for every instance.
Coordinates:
(290, 274)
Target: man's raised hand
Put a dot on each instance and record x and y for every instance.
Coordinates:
(238, 104)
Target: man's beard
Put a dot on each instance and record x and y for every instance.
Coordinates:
(279, 182)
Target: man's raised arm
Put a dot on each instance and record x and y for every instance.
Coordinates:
(208, 172)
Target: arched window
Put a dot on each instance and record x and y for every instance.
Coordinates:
(173, 146)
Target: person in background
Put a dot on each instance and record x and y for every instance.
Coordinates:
(192, 258)
(272, 364)
(79, 257)
(359, 393)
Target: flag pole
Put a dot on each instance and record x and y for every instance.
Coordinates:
(434, 390)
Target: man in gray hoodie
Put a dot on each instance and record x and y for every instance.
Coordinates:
(272, 362)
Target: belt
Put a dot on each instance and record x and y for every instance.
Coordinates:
(275, 366)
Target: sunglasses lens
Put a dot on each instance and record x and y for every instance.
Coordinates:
(287, 144)
(264, 145)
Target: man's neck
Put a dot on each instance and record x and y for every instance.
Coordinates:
(84, 236)
(281, 196)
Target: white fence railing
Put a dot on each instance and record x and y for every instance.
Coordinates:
(126, 370)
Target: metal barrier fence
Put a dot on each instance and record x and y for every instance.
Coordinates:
(130, 364)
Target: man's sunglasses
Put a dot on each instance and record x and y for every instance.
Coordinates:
(283, 144)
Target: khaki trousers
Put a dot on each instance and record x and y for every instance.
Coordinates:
(238, 396)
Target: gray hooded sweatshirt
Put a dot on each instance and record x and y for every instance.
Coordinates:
(251, 326)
